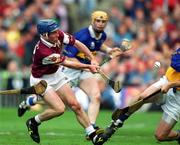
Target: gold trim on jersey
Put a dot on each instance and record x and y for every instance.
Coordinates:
(83, 56)
(172, 75)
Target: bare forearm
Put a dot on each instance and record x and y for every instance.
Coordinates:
(174, 84)
(112, 52)
(75, 65)
(105, 48)
(81, 47)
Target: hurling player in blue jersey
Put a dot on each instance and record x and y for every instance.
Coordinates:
(169, 97)
(93, 37)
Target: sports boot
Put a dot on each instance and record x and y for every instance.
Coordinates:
(97, 129)
(33, 130)
(97, 139)
(110, 130)
(22, 108)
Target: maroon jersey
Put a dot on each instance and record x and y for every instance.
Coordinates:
(44, 49)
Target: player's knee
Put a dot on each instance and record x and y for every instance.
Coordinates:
(59, 111)
(75, 106)
(96, 97)
(160, 136)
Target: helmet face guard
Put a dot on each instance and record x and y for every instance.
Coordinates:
(100, 15)
(47, 26)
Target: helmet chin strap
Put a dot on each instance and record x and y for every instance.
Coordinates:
(98, 31)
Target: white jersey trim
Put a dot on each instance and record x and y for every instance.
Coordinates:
(91, 31)
(48, 44)
(66, 38)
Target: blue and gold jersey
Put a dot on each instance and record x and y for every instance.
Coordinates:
(172, 75)
(85, 36)
(173, 72)
(175, 60)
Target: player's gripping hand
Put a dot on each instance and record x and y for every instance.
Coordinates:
(125, 46)
(94, 68)
(165, 87)
(115, 52)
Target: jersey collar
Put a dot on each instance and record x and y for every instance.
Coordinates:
(91, 31)
(48, 44)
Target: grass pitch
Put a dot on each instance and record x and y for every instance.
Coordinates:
(64, 130)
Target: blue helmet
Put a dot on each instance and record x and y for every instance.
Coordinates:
(47, 26)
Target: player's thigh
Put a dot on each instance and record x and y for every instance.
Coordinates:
(67, 94)
(172, 104)
(90, 86)
(53, 100)
(73, 74)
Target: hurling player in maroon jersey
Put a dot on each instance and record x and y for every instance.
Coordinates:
(47, 61)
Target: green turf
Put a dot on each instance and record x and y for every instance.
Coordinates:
(65, 130)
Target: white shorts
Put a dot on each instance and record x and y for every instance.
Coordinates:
(77, 75)
(170, 100)
(54, 81)
(172, 105)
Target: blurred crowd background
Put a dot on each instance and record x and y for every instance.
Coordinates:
(153, 26)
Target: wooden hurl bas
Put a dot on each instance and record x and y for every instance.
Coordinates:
(38, 89)
(115, 85)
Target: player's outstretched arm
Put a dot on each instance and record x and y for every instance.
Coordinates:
(79, 65)
(117, 51)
